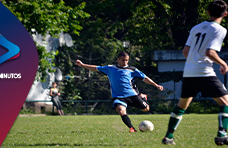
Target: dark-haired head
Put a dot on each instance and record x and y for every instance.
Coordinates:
(217, 8)
(54, 83)
(123, 59)
(123, 54)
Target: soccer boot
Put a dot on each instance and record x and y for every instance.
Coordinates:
(168, 141)
(221, 140)
(132, 130)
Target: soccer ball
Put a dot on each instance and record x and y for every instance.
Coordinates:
(146, 126)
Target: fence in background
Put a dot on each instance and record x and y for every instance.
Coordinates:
(157, 106)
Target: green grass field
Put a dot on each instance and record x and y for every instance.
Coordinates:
(109, 131)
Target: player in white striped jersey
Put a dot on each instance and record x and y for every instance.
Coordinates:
(204, 41)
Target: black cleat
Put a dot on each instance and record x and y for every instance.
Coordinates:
(168, 141)
(221, 140)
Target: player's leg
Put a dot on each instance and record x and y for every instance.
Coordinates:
(144, 98)
(188, 90)
(175, 119)
(223, 120)
(215, 89)
(146, 109)
(138, 102)
(218, 92)
(184, 102)
(121, 108)
(123, 113)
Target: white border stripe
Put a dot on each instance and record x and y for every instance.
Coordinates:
(176, 116)
(223, 114)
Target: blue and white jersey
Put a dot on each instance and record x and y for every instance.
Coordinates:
(122, 79)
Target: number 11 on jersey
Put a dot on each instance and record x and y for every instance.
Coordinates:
(198, 35)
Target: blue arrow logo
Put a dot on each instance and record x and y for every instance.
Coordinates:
(13, 50)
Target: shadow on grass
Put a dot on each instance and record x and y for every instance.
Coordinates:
(66, 144)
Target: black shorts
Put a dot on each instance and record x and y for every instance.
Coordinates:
(134, 101)
(208, 86)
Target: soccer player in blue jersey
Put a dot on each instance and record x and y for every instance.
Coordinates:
(123, 89)
(203, 43)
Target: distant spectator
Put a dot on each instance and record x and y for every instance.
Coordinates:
(55, 98)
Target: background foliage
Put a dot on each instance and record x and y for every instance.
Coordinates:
(99, 27)
(47, 16)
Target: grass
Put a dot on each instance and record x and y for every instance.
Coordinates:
(109, 131)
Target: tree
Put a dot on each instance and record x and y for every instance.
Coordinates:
(161, 25)
(148, 25)
(47, 16)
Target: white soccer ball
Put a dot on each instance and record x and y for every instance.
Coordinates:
(146, 126)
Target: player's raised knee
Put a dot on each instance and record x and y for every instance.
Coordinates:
(121, 110)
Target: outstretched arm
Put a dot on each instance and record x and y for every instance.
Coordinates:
(87, 66)
(212, 54)
(147, 80)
